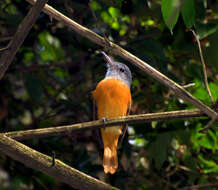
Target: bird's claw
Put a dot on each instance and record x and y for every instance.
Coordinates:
(104, 119)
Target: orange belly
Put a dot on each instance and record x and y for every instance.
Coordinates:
(113, 99)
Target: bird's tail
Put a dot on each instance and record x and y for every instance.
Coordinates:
(110, 162)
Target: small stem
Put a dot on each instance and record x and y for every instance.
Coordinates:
(203, 65)
(188, 85)
(209, 124)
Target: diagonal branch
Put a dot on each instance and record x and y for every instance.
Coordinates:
(131, 119)
(22, 31)
(92, 36)
(59, 171)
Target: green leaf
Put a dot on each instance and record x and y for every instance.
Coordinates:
(206, 141)
(208, 166)
(170, 11)
(135, 82)
(20, 181)
(13, 19)
(214, 90)
(45, 123)
(188, 13)
(34, 87)
(50, 49)
(195, 135)
(158, 149)
(115, 25)
(106, 17)
(95, 6)
(204, 30)
(29, 56)
(46, 179)
(200, 92)
(114, 12)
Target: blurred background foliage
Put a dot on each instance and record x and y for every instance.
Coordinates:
(51, 78)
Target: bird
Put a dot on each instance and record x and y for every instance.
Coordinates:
(113, 99)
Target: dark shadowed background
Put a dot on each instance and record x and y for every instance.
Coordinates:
(51, 78)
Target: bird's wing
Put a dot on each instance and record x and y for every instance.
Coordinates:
(124, 129)
(97, 131)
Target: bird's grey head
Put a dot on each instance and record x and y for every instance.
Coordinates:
(117, 70)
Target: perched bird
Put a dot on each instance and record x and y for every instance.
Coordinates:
(113, 98)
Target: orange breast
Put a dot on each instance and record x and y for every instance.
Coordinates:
(113, 98)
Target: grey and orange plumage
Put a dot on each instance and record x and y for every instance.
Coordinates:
(113, 98)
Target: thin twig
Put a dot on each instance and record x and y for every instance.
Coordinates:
(60, 171)
(22, 31)
(203, 65)
(115, 49)
(5, 48)
(131, 119)
(209, 124)
(188, 85)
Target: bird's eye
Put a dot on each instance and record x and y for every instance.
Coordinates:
(122, 70)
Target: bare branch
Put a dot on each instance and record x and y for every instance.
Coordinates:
(92, 36)
(131, 119)
(203, 64)
(20, 35)
(59, 171)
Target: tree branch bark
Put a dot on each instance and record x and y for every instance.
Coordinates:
(92, 36)
(59, 171)
(131, 119)
(22, 31)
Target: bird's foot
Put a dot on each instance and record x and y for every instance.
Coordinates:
(104, 119)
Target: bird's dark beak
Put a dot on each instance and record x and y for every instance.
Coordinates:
(108, 58)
